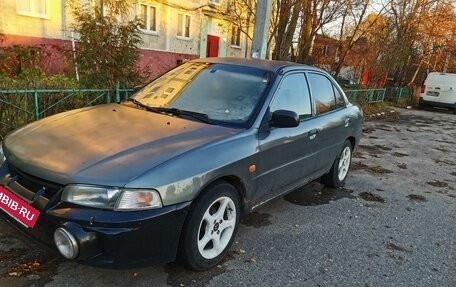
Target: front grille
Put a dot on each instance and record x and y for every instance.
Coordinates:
(34, 184)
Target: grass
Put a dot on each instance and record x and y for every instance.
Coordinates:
(375, 110)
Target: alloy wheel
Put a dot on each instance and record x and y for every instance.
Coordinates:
(216, 227)
(344, 163)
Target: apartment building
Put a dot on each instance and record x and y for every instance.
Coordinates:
(172, 31)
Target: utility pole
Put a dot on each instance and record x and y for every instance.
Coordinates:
(261, 29)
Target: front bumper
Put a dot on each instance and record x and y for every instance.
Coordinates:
(107, 238)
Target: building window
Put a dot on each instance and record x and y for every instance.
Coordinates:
(325, 51)
(148, 17)
(183, 25)
(34, 8)
(215, 2)
(236, 36)
(97, 5)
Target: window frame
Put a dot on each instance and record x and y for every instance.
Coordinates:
(147, 23)
(100, 5)
(181, 27)
(343, 102)
(334, 88)
(235, 36)
(33, 5)
(215, 2)
(303, 73)
(325, 50)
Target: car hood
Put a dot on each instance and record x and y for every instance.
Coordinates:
(108, 144)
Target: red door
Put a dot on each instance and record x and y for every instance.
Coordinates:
(212, 46)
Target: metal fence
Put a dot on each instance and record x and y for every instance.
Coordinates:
(366, 96)
(19, 107)
(369, 96)
(400, 95)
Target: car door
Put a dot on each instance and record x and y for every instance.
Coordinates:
(286, 155)
(331, 120)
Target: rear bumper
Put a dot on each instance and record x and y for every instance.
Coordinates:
(437, 104)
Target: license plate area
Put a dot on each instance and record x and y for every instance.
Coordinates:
(17, 208)
(432, 93)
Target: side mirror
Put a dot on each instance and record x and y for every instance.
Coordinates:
(284, 119)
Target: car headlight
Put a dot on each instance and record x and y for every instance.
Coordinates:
(122, 199)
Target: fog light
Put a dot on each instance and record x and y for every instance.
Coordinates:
(66, 243)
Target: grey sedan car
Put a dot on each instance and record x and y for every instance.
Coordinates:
(168, 173)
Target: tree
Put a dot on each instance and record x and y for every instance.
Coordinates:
(355, 26)
(404, 17)
(107, 47)
(284, 23)
(244, 14)
(315, 14)
(436, 34)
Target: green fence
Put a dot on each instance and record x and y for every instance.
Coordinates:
(400, 95)
(369, 96)
(19, 107)
(366, 96)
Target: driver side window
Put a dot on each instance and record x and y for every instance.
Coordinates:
(293, 95)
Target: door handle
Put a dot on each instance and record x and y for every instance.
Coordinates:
(313, 133)
(347, 122)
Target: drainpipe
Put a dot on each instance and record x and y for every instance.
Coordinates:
(64, 26)
(73, 46)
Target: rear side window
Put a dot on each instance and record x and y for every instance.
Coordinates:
(340, 102)
(293, 95)
(326, 96)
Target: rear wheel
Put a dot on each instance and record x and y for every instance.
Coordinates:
(210, 227)
(339, 170)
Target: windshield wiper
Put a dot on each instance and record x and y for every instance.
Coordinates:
(180, 113)
(138, 103)
(173, 111)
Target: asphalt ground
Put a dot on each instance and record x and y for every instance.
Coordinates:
(393, 224)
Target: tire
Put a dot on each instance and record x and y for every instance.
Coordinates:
(339, 170)
(210, 227)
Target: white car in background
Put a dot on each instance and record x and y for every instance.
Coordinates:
(439, 90)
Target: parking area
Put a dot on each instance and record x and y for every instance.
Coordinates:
(393, 224)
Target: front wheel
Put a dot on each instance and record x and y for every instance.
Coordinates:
(210, 227)
(339, 170)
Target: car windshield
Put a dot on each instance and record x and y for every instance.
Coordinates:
(223, 93)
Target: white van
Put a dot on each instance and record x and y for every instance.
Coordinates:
(439, 90)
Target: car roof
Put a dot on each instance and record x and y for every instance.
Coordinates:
(268, 65)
